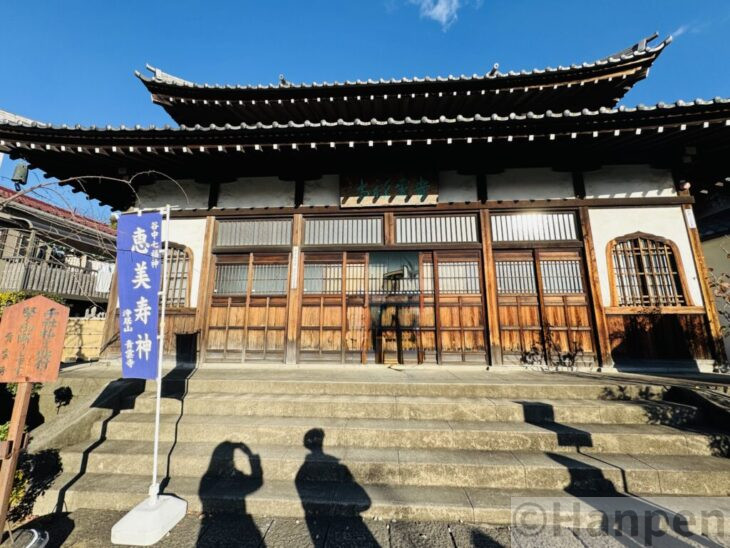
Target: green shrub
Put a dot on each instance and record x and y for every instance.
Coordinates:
(9, 298)
(20, 482)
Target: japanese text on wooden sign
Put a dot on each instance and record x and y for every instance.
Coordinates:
(139, 260)
(388, 190)
(31, 340)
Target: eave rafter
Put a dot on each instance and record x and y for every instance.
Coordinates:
(63, 152)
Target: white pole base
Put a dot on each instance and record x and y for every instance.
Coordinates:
(149, 521)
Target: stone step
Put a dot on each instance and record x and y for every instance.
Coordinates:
(419, 407)
(286, 499)
(651, 474)
(504, 386)
(425, 434)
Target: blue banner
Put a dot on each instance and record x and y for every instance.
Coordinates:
(139, 263)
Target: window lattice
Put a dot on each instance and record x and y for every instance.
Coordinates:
(269, 279)
(515, 277)
(323, 278)
(459, 277)
(326, 278)
(646, 273)
(178, 277)
(231, 279)
(560, 277)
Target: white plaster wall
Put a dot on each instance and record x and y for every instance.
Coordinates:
(667, 222)
(190, 233)
(454, 187)
(530, 184)
(322, 192)
(166, 192)
(257, 192)
(629, 181)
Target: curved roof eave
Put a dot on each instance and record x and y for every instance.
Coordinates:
(639, 50)
(679, 107)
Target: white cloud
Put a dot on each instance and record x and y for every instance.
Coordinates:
(680, 31)
(443, 12)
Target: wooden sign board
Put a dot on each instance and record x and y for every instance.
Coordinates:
(31, 340)
(395, 189)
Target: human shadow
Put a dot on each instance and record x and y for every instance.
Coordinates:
(223, 487)
(321, 479)
(626, 517)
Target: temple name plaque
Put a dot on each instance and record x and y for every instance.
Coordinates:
(397, 189)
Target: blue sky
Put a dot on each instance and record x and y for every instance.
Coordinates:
(72, 61)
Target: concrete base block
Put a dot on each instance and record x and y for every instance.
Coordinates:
(149, 521)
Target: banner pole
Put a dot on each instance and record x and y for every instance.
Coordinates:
(155, 486)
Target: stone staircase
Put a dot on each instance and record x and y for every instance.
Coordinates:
(416, 445)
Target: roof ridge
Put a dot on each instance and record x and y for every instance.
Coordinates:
(641, 48)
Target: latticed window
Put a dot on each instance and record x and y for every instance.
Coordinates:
(269, 279)
(178, 276)
(646, 272)
(231, 279)
(459, 277)
(515, 277)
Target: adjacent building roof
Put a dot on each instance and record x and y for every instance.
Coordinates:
(13, 199)
(601, 83)
(657, 134)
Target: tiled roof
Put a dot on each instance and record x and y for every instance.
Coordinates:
(62, 213)
(637, 51)
(675, 107)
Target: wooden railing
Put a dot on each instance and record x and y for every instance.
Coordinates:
(26, 274)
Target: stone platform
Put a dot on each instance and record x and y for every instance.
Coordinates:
(446, 444)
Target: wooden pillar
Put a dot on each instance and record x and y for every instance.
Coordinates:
(389, 228)
(599, 316)
(490, 290)
(703, 277)
(343, 310)
(110, 323)
(205, 287)
(294, 298)
(16, 431)
(436, 308)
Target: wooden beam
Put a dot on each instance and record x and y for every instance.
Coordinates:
(213, 193)
(579, 185)
(599, 316)
(490, 290)
(561, 204)
(298, 192)
(703, 276)
(294, 300)
(482, 194)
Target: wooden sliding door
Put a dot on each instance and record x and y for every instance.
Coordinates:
(333, 321)
(247, 316)
(459, 301)
(544, 313)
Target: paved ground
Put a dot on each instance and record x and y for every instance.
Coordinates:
(91, 529)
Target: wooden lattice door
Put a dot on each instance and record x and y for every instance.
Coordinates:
(333, 319)
(247, 316)
(544, 313)
(460, 306)
(567, 330)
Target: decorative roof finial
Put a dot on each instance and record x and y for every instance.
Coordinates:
(283, 82)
